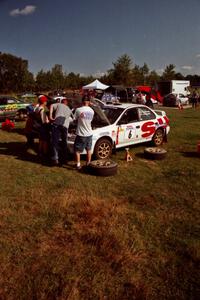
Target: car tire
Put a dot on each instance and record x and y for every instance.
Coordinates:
(103, 167)
(158, 137)
(22, 114)
(155, 153)
(103, 149)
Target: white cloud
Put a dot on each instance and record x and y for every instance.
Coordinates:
(27, 10)
(99, 74)
(198, 55)
(160, 71)
(82, 74)
(188, 68)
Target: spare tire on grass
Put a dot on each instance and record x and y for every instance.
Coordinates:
(155, 153)
(103, 167)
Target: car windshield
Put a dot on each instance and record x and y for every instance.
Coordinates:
(113, 113)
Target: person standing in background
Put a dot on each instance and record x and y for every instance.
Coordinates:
(41, 117)
(60, 115)
(194, 99)
(84, 115)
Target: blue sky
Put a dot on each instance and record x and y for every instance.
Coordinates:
(86, 36)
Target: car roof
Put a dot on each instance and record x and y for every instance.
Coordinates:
(125, 105)
(7, 96)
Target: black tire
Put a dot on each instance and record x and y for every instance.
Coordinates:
(103, 149)
(158, 137)
(22, 114)
(103, 167)
(155, 153)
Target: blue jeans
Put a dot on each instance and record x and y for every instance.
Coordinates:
(59, 136)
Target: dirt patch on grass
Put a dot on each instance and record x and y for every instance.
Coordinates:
(77, 246)
(87, 253)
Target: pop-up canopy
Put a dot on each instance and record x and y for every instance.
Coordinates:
(95, 85)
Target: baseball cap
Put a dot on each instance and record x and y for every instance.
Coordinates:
(42, 99)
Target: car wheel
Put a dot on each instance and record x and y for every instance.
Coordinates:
(22, 114)
(155, 153)
(158, 137)
(103, 149)
(103, 167)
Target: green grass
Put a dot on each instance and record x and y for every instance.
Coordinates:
(69, 235)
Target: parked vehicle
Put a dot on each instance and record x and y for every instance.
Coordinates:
(12, 108)
(162, 89)
(118, 92)
(174, 87)
(124, 125)
(175, 100)
(184, 100)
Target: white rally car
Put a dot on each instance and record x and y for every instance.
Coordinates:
(116, 126)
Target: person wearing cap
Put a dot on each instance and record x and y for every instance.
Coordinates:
(84, 115)
(43, 120)
(60, 115)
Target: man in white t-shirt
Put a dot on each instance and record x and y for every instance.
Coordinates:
(84, 115)
(60, 115)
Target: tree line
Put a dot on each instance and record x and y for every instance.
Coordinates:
(15, 76)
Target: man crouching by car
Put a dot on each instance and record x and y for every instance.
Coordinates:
(60, 116)
(84, 115)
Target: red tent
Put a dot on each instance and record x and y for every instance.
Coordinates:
(148, 89)
(143, 88)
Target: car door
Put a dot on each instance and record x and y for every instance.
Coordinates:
(127, 128)
(11, 107)
(136, 125)
(147, 124)
(2, 108)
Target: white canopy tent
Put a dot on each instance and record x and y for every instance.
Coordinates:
(95, 85)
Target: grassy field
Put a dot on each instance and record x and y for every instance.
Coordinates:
(70, 235)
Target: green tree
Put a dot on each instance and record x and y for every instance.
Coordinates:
(122, 72)
(57, 77)
(194, 79)
(179, 76)
(169, 72)
(14, 74)
(43, 82)
(137, 75)
(145, 72)
(153, 78)
(28, 82)
(72, 80)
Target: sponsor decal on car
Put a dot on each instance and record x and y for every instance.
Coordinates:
(10, 107)
(148, 128)
(129, 127)
(104, 133)
(113, 133)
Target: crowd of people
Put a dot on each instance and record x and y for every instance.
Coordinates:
(52, 128)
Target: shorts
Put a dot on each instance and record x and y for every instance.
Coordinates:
(82, 142)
